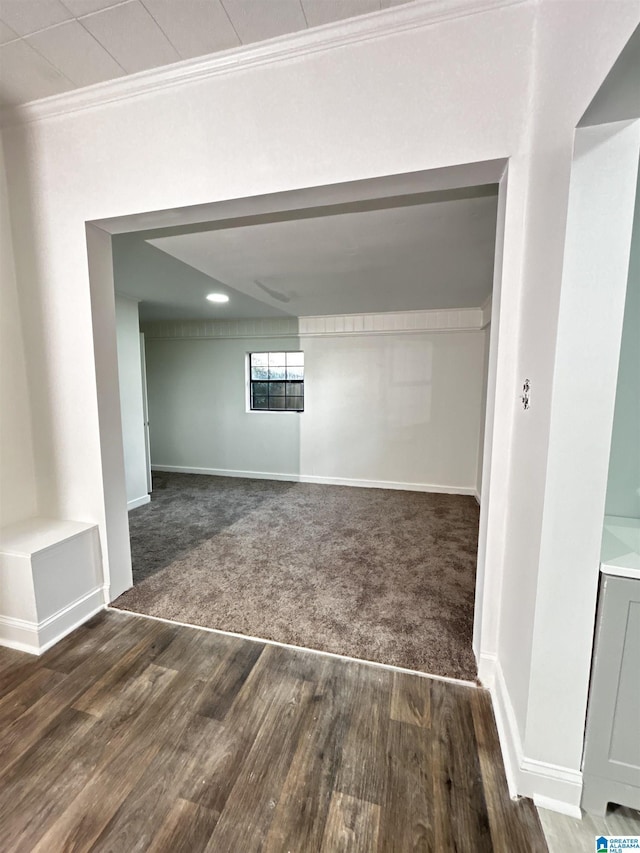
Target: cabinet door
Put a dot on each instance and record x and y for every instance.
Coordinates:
(612, 748)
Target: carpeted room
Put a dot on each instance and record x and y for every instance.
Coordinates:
(376, 574)
(347, 521)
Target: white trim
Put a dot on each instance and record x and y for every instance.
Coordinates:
(560, 806)
(389, 666)
(291, 46)
(549, 785)
(551, 771)
(392, 322)
(307, 478)
(331, 325)
(486, 670)
(134, 504)
(261, 327)
(37, 535)
(486, 308)
(476, 495)
(506, 724)
(37, 637)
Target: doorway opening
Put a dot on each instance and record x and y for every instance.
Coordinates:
(388, 293)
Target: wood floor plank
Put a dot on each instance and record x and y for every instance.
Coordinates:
(187, 828)
(25, 731)
(192, 645)
(104, 691)
(51, 774)
(231, 674)
(411, 699)
(514, 826)
(11, 657)
(295, 752)
(180, 742)
(408, 790)
(73, 651)
(220, 767)
(15, 673)
(26, 693)
(246, 819)
(100, 747)
(302, 809)
(362, 770)
(352, 826)
(117, 772)
(457, 780)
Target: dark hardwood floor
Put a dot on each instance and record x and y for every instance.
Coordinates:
(133, 734)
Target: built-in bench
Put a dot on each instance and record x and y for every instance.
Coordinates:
(50, 581)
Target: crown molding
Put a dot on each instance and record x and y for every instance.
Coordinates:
(392, 322)
(331, 325)
(387, 22)
(261, 327)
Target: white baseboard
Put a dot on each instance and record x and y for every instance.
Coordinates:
(552, 787)
(508, 734)
(476, 495)
(37, 637)
(486, 670)
(134, 504)
(557, 806)
(549, 785)
(329, 481)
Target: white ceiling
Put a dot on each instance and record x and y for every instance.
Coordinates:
(52, 46)
(414, 256)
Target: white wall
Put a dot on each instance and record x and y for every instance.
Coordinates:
(131, 404)
(623, 490)
(397, 409)
(595, 274)
(564, 81)
(109, 498)
(197, 402)
(463, 88)
(18, 493)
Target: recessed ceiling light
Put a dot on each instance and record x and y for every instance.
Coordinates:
(218, 297)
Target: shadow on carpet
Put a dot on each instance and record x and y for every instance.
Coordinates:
(382, 575)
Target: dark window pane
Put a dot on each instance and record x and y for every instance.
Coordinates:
(277, 372)
(296, 404)
(260, 389)
(295, 389)
(276, 402)
(276, 389)
(260, 403)
(260, 372)
(295, 372)
(259, 359)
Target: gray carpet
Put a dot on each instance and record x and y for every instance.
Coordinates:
(382, 575)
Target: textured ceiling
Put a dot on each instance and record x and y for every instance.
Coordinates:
(52, 46)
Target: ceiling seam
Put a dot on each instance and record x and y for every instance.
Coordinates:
(45, 59)
(155, 21)
(304, 14)
(104, 47)
(233, 26)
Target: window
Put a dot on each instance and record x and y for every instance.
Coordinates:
(276, 381)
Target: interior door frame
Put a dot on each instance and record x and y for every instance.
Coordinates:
(116, 546)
